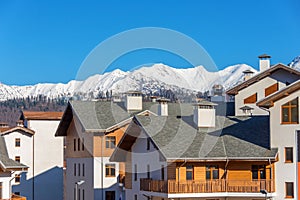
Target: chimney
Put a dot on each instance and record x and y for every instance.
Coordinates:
(20, 123)
(3, 125)
(133, 101)
(163, 106)
(153, 98)
(205, 114)
(248, 74)
(264, 62)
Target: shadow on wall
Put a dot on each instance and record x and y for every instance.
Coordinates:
(115, 192)
(47, 185)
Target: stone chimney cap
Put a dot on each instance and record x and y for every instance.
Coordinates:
(205, 103)
(133, 92)
(163, 100)
(246, 108)
(264, 56)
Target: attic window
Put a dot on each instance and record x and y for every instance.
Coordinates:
(290, 112)
(178, 117)
(251, 99)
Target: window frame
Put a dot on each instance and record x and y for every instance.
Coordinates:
(110, 142)
(286, 190)
(18, 158)
(110, 170)
(211, 169)
(259, 169)
(17, 142)
(17, 178)
(189, 169)
(289, 106)
(286, 155)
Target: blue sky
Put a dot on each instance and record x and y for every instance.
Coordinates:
(46, 41)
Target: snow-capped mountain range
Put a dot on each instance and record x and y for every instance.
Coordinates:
(145, 79)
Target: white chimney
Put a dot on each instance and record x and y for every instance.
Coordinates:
(264, 62)
(205, 114)
(133, 101)
(153, 98)
(248, 74)
(20, 123)
(163, 106)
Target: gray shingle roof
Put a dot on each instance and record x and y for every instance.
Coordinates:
(5, 161)
(232, 138)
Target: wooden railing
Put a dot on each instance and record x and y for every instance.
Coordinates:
(173, 186)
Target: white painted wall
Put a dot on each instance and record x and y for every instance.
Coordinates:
(284, 135)
(5, 179)
(109, 183)
(143, 157)
(88, 185)
(48, 160)
(24, 151)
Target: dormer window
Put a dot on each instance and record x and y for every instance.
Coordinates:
(290, 112)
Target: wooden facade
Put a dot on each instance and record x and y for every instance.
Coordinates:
(271, 89)
(232, 176)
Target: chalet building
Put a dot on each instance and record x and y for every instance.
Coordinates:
(92, 130)
(269, 80)
(32, 142)
(9, 170)
(283, 107)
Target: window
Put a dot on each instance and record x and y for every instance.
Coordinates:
(82, 194)
(189, 172)
(162, 172)
(148, 171)
(82, 144)
(74, 194)
(0, 190)
(251, 99)
(18, 142)
(258, 172)
(212, 172)
(135, 197)
(289, 190)
(74, 169)
(78, 169)
(74, 144)
(290, 112)
(18, 158)
(110, 142)
(17, 178)
(83, 169)
(271, 89)
(148, 143)
(110, 170)
(288, 154)
(78, 144)
(110, 195)
(135, 172)
(78, 194)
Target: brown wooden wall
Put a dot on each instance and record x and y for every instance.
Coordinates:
(236, 170)
(271, 89)
(251, 99)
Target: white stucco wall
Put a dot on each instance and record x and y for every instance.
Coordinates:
(88, 177)
(284, 135)
(143, 157)
(5, 179)
(24, 151)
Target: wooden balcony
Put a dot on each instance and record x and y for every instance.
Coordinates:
(222, 185)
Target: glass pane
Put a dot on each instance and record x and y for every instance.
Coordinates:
(254, 174)
(262, 174)
(295, 102)
(215, 174)
(107, 171)
(113, 171)
(285, 115)
(189, 176)
(289, 189)
(208, 175)
(295, 114)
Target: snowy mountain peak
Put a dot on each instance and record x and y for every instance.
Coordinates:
(295, 63)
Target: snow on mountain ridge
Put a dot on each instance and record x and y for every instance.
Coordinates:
(145, 79)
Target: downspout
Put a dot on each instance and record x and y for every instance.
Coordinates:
(179, 169)
(227, 161)
(33, 175)
(9, 185)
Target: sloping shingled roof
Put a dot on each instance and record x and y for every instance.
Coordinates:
(232, 138)
(234, 90)
(38, 115)
(17, 128)
(5, 162)
(269, 100)
(99, 115)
